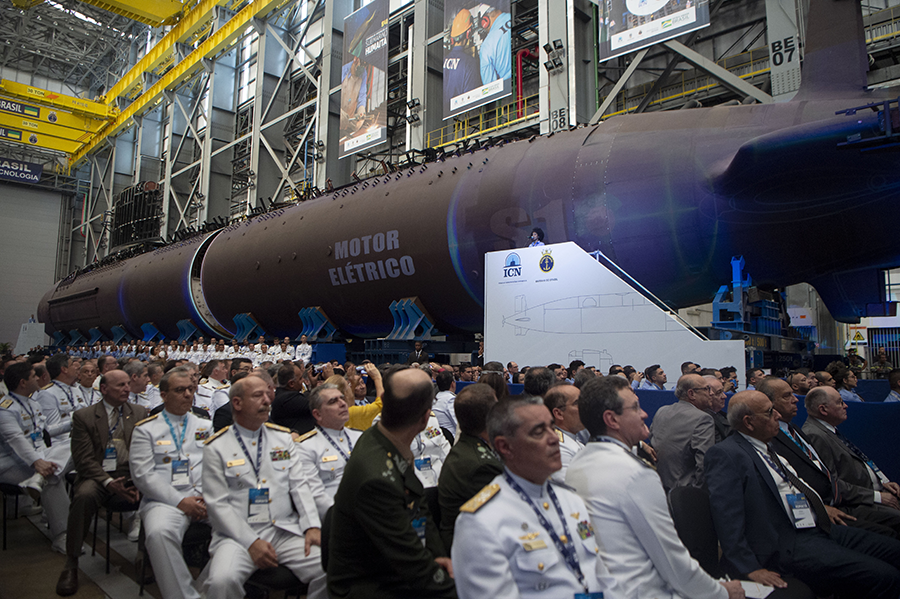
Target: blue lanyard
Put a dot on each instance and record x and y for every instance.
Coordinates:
(335, 445)
(68, 393)
(25, 407)
(567, 547)
(258, 463)
(178, 442)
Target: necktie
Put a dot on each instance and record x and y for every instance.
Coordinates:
(795, 437)
(814, 501)
(113, 419)
(851, 446)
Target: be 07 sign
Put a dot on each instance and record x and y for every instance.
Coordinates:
(782, 51)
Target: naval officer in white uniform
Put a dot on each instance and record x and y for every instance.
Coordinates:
(251, 472)
(324, 451)
(166, 459)
(627, 504)
(523, 536)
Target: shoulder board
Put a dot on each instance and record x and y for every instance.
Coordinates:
(140, 422)
(433, 414)
(45, 387)
(559, 434)
(481, 498)
(277, 427)
(216, 435)
(306, 436)
(224, 386)
(6, 403)
(204, 381)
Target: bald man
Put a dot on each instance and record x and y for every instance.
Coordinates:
(771, 524)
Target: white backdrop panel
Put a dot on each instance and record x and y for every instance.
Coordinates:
(556, 303)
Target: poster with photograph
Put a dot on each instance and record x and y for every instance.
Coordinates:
(364, 78)
(629, 25)
(477, 54)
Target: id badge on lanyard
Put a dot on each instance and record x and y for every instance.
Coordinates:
(181, 473)
(110, 459)
(258, 512)
(800, 510)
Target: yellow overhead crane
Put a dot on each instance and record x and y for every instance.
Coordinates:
(149, 12)
(38, 117)
(77, 126)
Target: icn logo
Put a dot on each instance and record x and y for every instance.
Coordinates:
(513, 266)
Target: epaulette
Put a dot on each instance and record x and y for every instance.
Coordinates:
(148, 419)
(306, 436)
(203, 381)
(224, 386)
(45, 387)
(559, 434)
(216, 435)
(6, 403)
(277, 427)
(480, 498)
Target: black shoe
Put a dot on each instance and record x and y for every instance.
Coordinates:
(67, 583)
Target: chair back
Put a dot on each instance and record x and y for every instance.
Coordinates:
(692, 516)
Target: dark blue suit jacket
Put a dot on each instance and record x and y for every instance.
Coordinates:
(751, 523)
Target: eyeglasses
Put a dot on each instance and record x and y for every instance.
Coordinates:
(636, 407)
(707, 388)
(768, 413)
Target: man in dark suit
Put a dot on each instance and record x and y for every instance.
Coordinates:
(418, 355)
(101, 435)
(683, 432)
(844, 504)
(826, 411)
(770, 523)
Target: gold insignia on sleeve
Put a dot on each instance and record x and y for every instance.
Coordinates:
(276, 427)
(481, 498)
(147, 419)
(217, 435)
(306, 436)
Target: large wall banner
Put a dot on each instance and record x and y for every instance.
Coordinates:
(629, 25)
(364, 78)
(477, 54)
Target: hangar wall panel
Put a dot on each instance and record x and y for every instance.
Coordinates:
(29, 235)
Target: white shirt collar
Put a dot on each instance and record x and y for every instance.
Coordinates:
(756, 443)
(828, 426)
(529, 487)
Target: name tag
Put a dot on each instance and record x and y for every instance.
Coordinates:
(423, 464)
(534, 545)
(802, 513)
(35, 436)
(330, 458)
(258, 512)
(164, 442)
(109, 459)
(597, 595)
(181, 473)
(233, 463)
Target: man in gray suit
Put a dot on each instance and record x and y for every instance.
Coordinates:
(682, 433)
(826, 411)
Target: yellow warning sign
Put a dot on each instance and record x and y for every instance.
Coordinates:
(858, 337)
